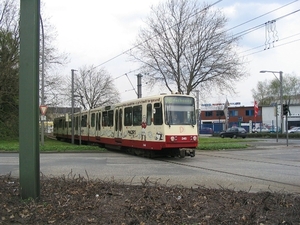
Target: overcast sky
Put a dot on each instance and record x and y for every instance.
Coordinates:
(93, 32)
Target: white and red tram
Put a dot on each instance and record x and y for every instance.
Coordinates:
(164, 124)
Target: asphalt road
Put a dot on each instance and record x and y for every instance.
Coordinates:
(269, 166)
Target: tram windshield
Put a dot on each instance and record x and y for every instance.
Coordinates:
(179, 110)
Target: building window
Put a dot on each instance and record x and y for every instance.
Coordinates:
(208, 113)
(220, 113)
(249, 112)
(233, 113)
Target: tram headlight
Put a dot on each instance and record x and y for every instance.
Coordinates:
(194, 138)
(172, 138)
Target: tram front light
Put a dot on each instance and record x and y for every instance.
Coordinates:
(172, 138)
(194, 138)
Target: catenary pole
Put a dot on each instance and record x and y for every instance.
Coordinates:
(29, 157)
(72, 107)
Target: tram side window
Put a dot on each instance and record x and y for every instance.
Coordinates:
(137, 115)
(105, 119)
(84, 121)
(120, 119)
(149, 114)
(98, 119)
(116, 119)
(93, 120)
(128, 116)
(110, 118)
(60, 123)
(76, 123)
(158, 117)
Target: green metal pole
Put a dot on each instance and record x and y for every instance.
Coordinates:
(29, 156)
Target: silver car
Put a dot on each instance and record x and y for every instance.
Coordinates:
(260, 129)
(294, 130)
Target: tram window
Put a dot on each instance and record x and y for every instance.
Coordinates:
(110, 118)
(149, 114)
(158, 117)
(97, 121)
(60, 123)
(76, 123)
(84, 121)
(128, 116)
(116, 119)
(137, 115)
(120, 119)
(93, 120)
(105, 119)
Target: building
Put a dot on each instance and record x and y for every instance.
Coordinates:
(213, 116)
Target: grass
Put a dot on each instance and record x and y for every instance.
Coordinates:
(217, 143)
(50, 145)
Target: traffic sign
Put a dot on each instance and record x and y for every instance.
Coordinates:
(43, 109)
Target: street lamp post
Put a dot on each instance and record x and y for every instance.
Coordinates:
(43, 82)
(281, 101)
(72, 110)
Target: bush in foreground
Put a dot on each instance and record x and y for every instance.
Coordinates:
(76, 200)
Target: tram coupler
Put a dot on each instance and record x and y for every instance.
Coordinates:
(187, 152)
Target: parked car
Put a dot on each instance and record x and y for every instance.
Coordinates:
(206, 130)
(273, 129)
(260, 130)
(294, 130)
(234, 132)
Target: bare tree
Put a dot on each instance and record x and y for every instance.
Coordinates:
(268, 92)
(261, 94)
(95, 88)
(51, 60)
(185, 45)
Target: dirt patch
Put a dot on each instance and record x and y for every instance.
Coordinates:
(77, 200)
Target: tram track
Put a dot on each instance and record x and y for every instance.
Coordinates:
(231, 173)
(249, 160)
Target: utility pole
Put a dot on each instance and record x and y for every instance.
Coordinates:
(281, 101)
(43, 82)
(198, 111)
(72, 109)
(29, 152)
(139, 85)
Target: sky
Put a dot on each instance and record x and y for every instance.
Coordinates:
(95, 32)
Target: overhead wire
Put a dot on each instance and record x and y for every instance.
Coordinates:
(240, 34)
(274, 10)
(128, 50)
(272, 48)
(156, 34)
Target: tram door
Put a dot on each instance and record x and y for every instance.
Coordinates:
(118, 122)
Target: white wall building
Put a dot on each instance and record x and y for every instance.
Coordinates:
(269, 116)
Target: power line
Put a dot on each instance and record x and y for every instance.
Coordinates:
(272, 48)
(240, 34)
(261, 16)
(263, 45)
(156, 34)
